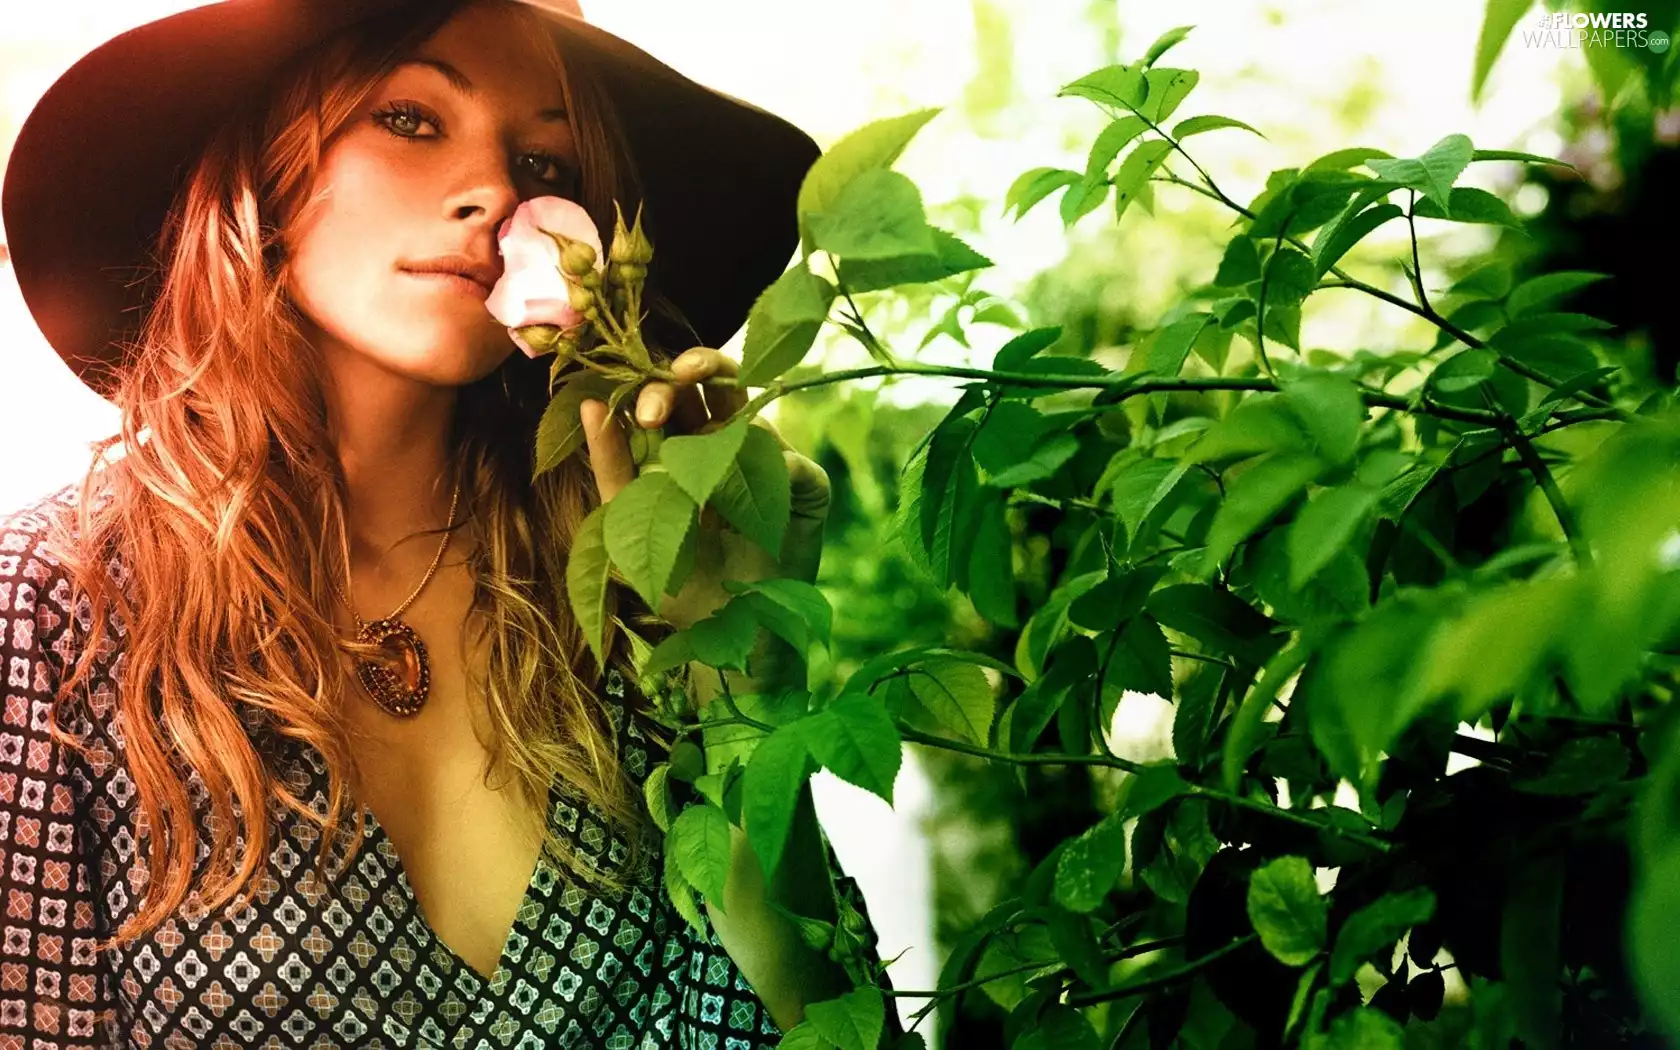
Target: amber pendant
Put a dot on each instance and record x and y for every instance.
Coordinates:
(398, 678)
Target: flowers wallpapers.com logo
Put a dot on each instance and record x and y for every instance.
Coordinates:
(1563, 29)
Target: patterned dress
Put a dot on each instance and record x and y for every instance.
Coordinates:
(298, 961)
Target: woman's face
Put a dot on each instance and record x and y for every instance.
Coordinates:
(441, 152)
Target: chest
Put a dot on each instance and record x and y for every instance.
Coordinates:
(465, 834)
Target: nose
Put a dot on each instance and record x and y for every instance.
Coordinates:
(485, 197)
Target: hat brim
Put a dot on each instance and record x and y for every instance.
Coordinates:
(98, 162)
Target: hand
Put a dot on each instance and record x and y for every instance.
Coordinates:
(721, 553)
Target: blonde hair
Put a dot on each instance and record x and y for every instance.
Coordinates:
(226, 502)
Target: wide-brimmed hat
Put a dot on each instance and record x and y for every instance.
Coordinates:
(98, 162)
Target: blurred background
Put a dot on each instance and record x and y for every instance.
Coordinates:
(1311, 75)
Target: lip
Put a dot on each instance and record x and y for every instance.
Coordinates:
(455, 281)
(466, 272)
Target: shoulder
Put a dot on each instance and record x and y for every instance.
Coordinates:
(34, 586)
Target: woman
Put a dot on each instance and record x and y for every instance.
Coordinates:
(322, 422)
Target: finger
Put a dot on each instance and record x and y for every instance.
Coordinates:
(653, 403)
(701, 363)
(609, 449)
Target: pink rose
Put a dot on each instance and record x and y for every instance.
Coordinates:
(532, 289)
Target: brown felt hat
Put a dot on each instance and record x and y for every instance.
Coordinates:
(97, 164)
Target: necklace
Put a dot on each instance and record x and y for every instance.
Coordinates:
(398, 678)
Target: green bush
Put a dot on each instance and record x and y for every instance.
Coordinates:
(1349, 571)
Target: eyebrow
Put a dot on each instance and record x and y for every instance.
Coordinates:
(460, 82)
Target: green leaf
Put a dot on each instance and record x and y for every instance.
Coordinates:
(1532, 158)
(701, 840)
(673, 651)
(1244, 729)
(854, 1021)
(1433, 173)
(1163, 42)
(726, 637)
(656, 789)
(756, 497)
(1034, 185)
(1118, 85)
(1109, 142)
(1217, 618)
(1059, 1027)
(1287, 910)
(1290, 278)
(1239, 265)
(871, 147)
(1071, 665)
(681, 893)
(878, 215)
(1135, 170)
(1197, 125)
(644, 528)
(587, 569)
(1342, 159)
(1529, 954)
(1469, 204)
(1081, 200)
(1090, 866)
(698, 462)
(1260, 423)
(1337, 238)
(783, 323)
(1172, 344)
(779, 766)
(1150, 788)
(560, 431)
(1498, 19)
(1489, 281)
(1042, 461)
(1141, 662)
(1377, 926)
(1166, 89)
(991, 569)
(1254, 498)
(1365, 1028)
(855, 739)
(1024, 347)
(951, 256)
(1653, 931)
(1542, 290)
(958, 694)
(1325, 526)
(1494, 644)
(1330, 409)
(803, 601)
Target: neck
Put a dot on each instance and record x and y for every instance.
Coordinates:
(392, 437)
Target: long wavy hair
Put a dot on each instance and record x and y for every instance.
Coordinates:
(226, 502)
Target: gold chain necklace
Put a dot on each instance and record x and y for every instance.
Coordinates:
(399, 678)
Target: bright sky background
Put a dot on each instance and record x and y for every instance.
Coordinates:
(1313, 75)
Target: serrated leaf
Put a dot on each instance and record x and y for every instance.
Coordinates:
(1434, 172)
(874, 146)
(1167, 88)
(1287, 910)
(587, 571)
(958, 694)
(951, 256)
(1135, 170)
(1090, 865)
(1163, 42)
(1325, 526)
(1197, 125)
(779, 766)
(1337, 238)
(878, 215)
(854, 1021)
(560, 431)
(1034, 185)
(755, 496)
(701, 840)
(681, 892)
(699, 462)
(1541, 290)
(1376, 926)
(1257, 495)
(855, 739)
(644, 528)
(783, 323)
(1117, 85)
(1469, 204)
